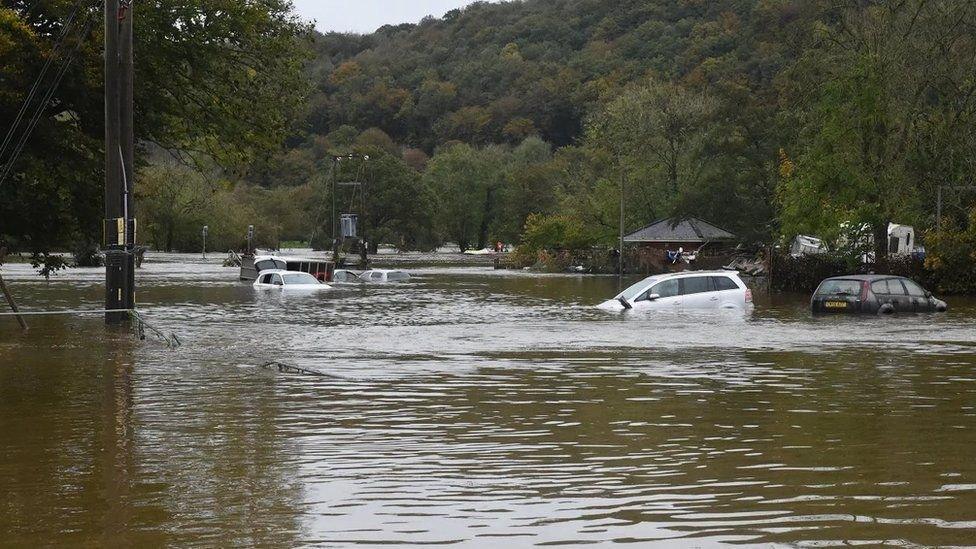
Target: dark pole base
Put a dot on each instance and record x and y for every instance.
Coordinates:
(119, 285)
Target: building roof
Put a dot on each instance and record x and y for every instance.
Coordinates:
(691, 229)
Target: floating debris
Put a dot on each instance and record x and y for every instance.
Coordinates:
(288, 368)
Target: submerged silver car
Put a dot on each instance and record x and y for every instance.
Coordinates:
(689, 290)
(384, 275)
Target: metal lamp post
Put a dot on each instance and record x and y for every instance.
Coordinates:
(206, 229)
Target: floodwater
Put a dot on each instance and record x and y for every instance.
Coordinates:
(477, 408)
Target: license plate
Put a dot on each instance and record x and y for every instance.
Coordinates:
(836, 304)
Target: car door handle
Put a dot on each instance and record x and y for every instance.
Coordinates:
(714, 299)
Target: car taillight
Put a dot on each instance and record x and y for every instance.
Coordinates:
(865, 288)
(748, 295)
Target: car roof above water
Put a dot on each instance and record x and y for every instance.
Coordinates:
(863, 277)
(684, 274)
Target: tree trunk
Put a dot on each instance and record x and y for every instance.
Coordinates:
(485, 220)
(880, 231)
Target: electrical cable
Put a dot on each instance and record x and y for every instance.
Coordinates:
(55, 53)
(42, 106)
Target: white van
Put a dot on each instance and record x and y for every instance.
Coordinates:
(692, 290)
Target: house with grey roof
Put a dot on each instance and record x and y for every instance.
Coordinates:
(670, 234)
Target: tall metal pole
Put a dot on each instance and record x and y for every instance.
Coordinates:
(364, 214)
(336, 245)
(119, 162)
(335, 231)
(620, 256)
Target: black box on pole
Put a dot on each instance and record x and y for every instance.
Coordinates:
(117, 273)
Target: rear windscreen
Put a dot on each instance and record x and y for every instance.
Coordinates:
(840, 287)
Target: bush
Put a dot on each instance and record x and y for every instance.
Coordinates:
(951, 259)
(555, 232)
(86, 254)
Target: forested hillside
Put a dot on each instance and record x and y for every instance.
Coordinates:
(766, 117)
(497, 73)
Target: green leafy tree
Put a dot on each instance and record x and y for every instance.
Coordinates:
(889, 79)
(176, 201)
(465, 181)
(216, 82)
(656, 133)
(530, 187)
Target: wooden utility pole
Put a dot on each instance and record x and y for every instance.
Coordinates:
(119, 227)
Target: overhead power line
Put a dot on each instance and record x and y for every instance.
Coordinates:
(57, 53)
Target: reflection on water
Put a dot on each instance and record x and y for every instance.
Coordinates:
(478, 408)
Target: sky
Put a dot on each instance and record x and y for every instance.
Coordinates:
(365, 16)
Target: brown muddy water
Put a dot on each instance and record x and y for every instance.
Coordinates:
(477, 408)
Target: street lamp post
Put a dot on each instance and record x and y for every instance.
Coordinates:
(620, 256)
(206, 229)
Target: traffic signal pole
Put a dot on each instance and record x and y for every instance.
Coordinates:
(119, 226)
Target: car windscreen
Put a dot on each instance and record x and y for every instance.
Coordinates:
(840, 287)
(632, 292)
(269, 265)
(299, 278)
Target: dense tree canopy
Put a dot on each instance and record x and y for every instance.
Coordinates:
(218, 82)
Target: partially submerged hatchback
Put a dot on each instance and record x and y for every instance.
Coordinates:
(874, 294)
(344, 276)
(288, 280)
(691, 290)
(384, 275)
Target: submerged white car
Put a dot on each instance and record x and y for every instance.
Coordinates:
(288, 280)
(341, 276)
(384, 275)
(692, 290)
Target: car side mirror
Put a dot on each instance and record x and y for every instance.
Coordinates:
(653, 297)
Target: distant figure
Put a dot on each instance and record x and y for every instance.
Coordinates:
(499, 247)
